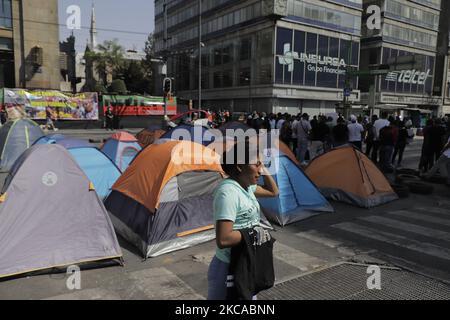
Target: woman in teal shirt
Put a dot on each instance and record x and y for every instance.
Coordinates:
(236, 208)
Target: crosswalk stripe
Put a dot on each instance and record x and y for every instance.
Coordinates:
(295, 258)
(409, 227)
(400, 241)
(315, 236)
(419, 216)
(434, 210)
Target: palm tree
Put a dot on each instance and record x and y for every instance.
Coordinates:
(107, 58)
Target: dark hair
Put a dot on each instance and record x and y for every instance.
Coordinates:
(234, 157)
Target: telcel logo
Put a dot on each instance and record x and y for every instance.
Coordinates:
(408, 76)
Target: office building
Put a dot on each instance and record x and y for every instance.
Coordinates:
(266, 55)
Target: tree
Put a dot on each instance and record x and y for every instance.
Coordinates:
(135, 77)
(118, 86)
(107, 58)
(149, 51)
(100, 88)
(138, 75)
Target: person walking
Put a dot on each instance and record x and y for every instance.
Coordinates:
(355, 132)
(427, 147)
(236, 208)
(296, 119)
(378, 125)
(49, 116)
(388, 139)
(286, 132)
(370, 133)
(316, 139)
(109, 116)
(400, 146)
(340, 133)
(302, 130)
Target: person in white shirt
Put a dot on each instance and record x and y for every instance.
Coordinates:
(378, 125)
(442, 165)
(273, 122)
(302, 130)
(355, 131)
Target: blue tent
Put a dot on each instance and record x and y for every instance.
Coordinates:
(298, 197)
(121, 148)
(50, 138)
(100, 170)
(194, 133)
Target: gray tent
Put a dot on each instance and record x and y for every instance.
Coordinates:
(15, 137)
(50, 215)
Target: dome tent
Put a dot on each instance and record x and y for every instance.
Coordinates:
(16, 137)
(161, 205)
(62, 222)
(121, 148)
(346, 174)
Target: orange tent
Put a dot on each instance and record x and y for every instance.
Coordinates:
(346, 174)
(163, 201)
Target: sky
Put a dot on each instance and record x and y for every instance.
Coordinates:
(134, 18)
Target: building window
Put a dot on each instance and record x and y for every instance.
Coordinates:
(323, 17)
(227, 54)
(5, 14)
(394, 85)
(227, 78)
(315, 60)
(244, 77)
(246, 49)
(217, 79)
(311, 49)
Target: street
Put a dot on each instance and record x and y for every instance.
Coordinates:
(408, 239)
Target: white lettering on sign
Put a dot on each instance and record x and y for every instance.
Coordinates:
(317, 59)
(408, 76)
(316, 63)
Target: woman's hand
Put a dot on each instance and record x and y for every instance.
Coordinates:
(270, 188)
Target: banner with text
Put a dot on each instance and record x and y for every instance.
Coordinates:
(36, 104)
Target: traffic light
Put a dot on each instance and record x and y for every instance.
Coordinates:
(167, 85)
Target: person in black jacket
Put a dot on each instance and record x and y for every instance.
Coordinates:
(236, 208)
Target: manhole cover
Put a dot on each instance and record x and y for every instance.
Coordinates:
(349, 282)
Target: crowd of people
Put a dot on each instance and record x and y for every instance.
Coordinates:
(383, 139)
